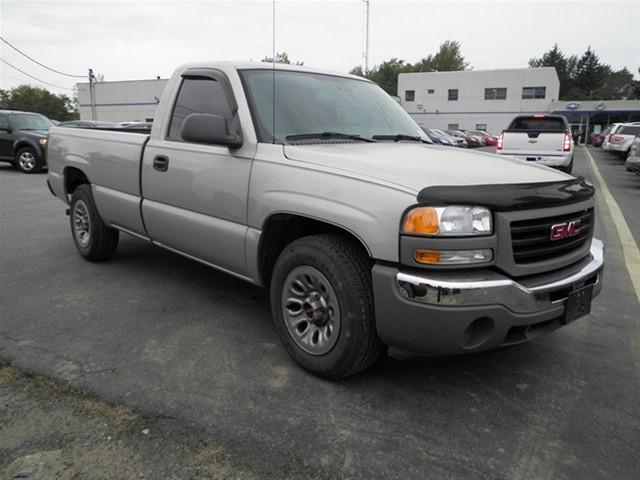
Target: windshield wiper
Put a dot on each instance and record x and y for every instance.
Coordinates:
(327, 136)
(401, 136)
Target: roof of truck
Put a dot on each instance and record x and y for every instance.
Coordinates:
(244, 65)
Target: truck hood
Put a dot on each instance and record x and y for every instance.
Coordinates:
(413, 166)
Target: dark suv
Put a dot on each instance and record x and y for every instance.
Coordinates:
(23, 139)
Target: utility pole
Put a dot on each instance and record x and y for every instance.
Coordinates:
(366, 40)
(92, 94)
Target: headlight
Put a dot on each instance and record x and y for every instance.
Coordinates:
(454, 220)
(42, 141)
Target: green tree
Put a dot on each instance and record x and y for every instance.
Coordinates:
(39, 100)
(618, 84)
(386, 74)
(447, 58)
(555, 58)
(590, 74)
(282, 57)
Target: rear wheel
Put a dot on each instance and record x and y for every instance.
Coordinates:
(322, 305)
(94, 240)
(28, 160)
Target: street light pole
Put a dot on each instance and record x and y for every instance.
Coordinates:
(92, 94)
(366, 41)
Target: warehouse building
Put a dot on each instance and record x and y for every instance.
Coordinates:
(489, 99)
(477, 99)
(120, 101)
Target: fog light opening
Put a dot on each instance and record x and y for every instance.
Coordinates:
(477, 333)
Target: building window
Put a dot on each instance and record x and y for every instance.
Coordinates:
(481, 127)
(453, 126)
(409, 95)
(453, 94)
(430, 91)
(534, 92)
(495, 93)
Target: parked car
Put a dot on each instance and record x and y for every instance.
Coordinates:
(490, 140)
(434, 139)
(632, 164)
(480, 140)
(621, 137)
(340, 207)
(539, 138)
(471, 142)
(23, 140)
(453, 141)
(598, 139)
(89, 124)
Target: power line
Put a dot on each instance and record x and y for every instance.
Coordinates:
(35, 78)
(41, 64)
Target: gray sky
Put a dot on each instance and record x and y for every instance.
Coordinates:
(142, 39)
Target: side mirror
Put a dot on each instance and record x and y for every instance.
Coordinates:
(6, 128)
(210, 129)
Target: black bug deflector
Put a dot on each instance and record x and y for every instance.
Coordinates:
(518, 196)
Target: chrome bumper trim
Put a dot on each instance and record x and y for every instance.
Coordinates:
(492, 288)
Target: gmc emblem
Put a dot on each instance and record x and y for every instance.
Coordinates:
(565, 230)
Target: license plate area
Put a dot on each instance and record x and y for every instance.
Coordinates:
(578, 304)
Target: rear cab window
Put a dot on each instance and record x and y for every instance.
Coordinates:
(538, 123)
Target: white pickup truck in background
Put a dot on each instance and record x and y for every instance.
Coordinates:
(540, 138)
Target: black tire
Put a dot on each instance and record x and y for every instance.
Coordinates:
(102, 241)
(28, 160)
(348, 270)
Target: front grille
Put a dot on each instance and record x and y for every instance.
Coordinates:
(531, 239)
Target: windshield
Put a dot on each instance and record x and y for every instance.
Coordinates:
(310, 103)
(30, 121)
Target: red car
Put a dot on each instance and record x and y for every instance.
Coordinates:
(598, 139)
(470, 140)
(491, 140)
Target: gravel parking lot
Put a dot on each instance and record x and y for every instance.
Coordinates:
(169, 338)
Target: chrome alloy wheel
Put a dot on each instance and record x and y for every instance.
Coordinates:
(27, 161)
(310, 310)
(81, 224)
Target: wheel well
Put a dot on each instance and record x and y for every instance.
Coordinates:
(21, 145)
(282, 229)
(73, 178)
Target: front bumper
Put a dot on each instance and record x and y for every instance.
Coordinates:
(443, 313)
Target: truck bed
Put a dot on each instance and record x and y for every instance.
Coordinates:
(111, 161)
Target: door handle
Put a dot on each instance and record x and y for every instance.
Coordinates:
(161, 163)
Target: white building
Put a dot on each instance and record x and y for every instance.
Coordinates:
(121, 101)
(477, 99)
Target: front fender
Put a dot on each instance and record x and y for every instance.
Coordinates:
(27, 142)
(371, 211)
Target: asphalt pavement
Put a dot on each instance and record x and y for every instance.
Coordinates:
(170, 338)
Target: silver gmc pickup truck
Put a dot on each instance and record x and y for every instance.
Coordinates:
(318, 186)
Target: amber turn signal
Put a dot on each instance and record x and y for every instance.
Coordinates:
(431, 257)
(421, 221)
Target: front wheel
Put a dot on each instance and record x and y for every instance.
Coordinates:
(28, 160)
(322, 305)
(94, 240)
